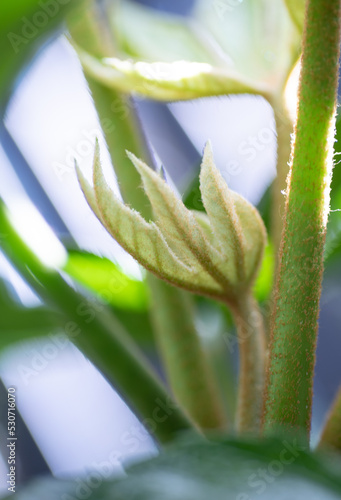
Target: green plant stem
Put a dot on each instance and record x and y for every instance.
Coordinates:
(122, 132)
(221, 361)
(116, 111)
(190, 379)
(252, 355)
(99, 337)
(331, 434)
(288, 396)
(20, 323)
(284, 128)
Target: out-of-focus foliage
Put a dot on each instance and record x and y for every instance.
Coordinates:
(24, 26)
(127, 297)
(108, 281)
(249, 49)
(264, 281)
(19, 323)
(333, 240)
(256, 37)
(224, 470)
(296, 9)
(143, 33)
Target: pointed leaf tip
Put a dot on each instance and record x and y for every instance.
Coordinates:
(208, 148)
(89, 193)
(236, 224)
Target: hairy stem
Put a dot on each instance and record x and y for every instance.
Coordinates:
(101, 338)
(288, 397)
(331, 434)
(252, 355)
(189, 367)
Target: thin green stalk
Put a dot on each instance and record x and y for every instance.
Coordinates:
(288, 397)
(220, 356)
(100, 338)
(116, 111)
(191, 380)
(21, 323)
(284, 128)
(252, 354)
(123, 133)
(331, 434)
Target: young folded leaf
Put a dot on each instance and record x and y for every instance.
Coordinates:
(216, 255)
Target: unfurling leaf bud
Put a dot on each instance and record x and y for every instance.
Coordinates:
(216, 254)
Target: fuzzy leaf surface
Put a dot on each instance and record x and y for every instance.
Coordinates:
(209, 254)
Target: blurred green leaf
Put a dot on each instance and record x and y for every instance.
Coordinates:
(336, 180)
(296, 9)
(144, 33)
(127, 297)
(24, 26)
(226, 470)
(108, 281)
(192, 197)
(138, 325)
(332, 251)
(264, 281)
(178, 80)
(333, 239)
(255, 37)
(19, 323)
(264, 207)
(223, 48)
